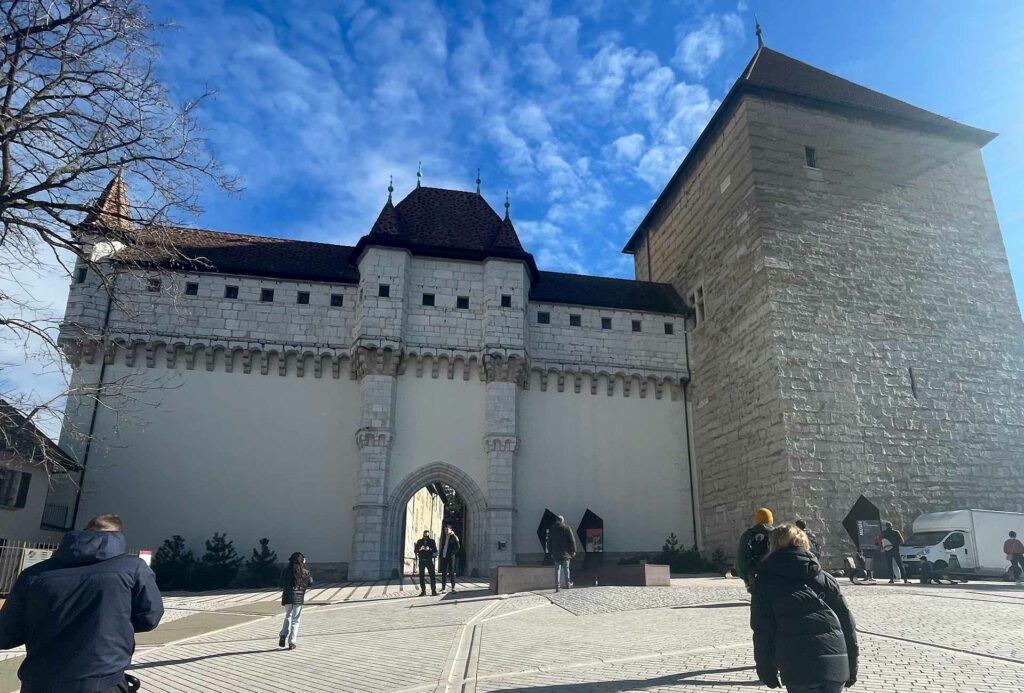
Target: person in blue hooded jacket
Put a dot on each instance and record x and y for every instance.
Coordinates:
(77, 613)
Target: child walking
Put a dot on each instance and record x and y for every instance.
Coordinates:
(295, 580)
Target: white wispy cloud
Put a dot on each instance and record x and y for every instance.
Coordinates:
(700, 48)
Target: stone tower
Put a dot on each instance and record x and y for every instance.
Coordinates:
(856, 326)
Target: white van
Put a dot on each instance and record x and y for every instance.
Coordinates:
(963, 541)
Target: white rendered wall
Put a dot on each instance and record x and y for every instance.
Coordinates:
(622, 457)
(439, 420)
(248, 454)
(22, 524)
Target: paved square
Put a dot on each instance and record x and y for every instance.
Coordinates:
(691, 637)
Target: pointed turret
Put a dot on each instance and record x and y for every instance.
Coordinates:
(387, 221)
(111, 210)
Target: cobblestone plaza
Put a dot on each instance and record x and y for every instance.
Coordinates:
(693, 637)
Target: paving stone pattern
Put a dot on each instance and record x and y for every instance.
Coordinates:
(691, 637)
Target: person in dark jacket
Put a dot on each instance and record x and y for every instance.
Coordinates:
(892, 540)
(802, 626)
(77, 613)
(562, 547)
(753, 546)
(425, 550)
(449, 550)
(295, 580)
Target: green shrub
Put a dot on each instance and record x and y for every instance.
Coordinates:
(261, 570)
(219, 564)
(173, 564)
(688, 560)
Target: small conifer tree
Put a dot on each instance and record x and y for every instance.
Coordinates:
(262, 568)
(219, 564)
(172, 563)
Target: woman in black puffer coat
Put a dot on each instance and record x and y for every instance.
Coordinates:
(295, 580)
(802, 626)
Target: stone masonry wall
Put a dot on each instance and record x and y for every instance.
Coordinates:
(559, 342)
(209, 315)
(705, 237)
(902, 347)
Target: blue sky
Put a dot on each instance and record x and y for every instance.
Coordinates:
(581, 110)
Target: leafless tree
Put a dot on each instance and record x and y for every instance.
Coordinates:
(81, 113)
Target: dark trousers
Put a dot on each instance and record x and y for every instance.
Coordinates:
(428, 564)
(895, 562)
(823, 687)
(1017, 565)
(448, 571)
(129, 685)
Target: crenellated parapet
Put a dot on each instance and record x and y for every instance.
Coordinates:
(506, 366)
(625, 382)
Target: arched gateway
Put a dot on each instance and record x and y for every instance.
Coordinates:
(476, 505)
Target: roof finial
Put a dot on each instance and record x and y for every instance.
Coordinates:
(391, 186)
(758, 33)
(478, 180)
(419, 174)
(507, 205)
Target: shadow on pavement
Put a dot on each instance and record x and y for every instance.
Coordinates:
(726, 605)
(684, 678)
(188, 660)
(466, 594)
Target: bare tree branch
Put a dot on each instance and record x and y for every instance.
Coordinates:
(83, 118)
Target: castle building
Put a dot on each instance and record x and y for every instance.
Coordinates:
(822, 309)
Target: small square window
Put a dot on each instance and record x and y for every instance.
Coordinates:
(810, 157)
(153, 285)
(670, 328)
(80, 274)
(191, 288)
(266, 295)
(462, 302)
(230, 292)
(428, 299)
(506, 300)
(543, 318)
(384, 290)
(575, 320)
(606, 323)
(302, 298)
(337, 300)
(636, 326)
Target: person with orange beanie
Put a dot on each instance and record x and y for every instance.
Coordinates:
(754, 546)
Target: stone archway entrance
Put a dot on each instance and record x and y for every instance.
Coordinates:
(476, 509)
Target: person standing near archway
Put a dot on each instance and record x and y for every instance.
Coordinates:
(562, 547)
(450, 547)
(426, 549)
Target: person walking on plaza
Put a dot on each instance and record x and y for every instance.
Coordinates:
(77, 613)
(802, 626)
(1014, 550)
(815, 549)
(425, 550)
(562, 547)
(295, 580)
(892, 540)
(753, 546)
(449, 551)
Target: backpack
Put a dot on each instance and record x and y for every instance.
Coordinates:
(757, 547)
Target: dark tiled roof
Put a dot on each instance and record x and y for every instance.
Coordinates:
(607, 292)
(429, 221)
(778, 72)
(445, 223)
(775, 73)
(20, 436)
(232, 253)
